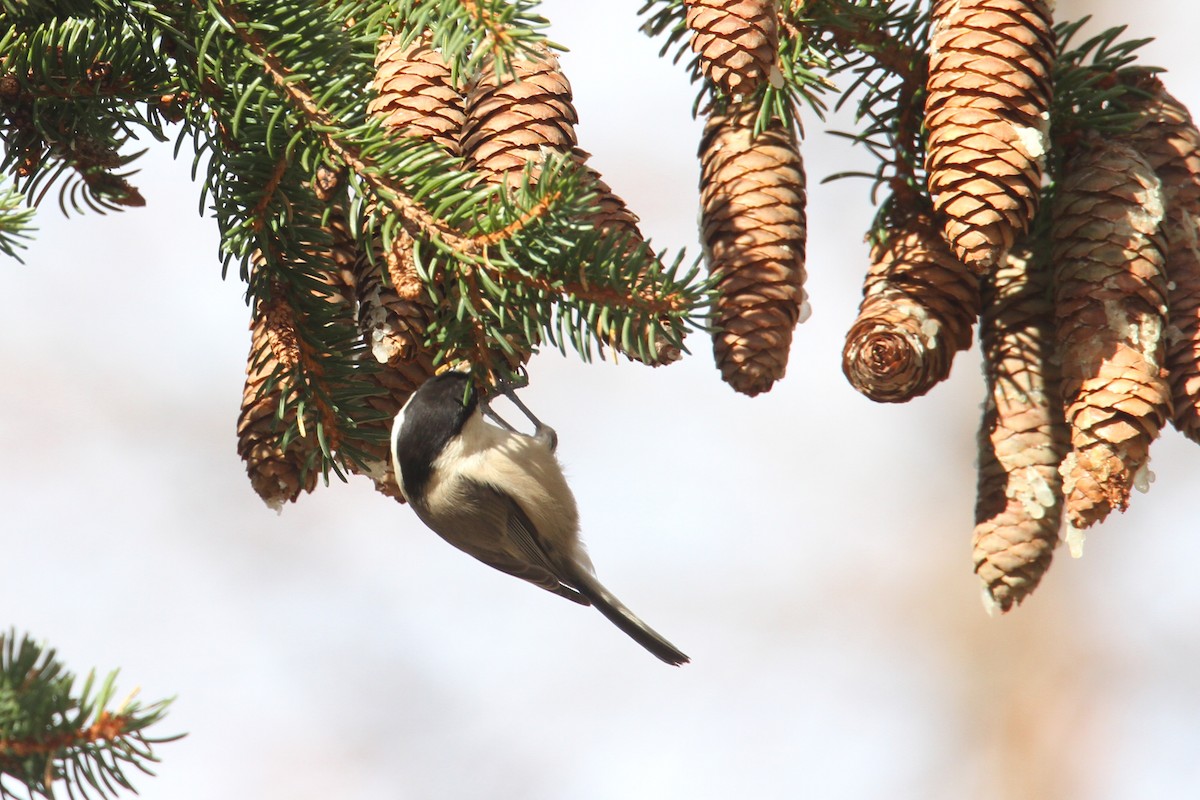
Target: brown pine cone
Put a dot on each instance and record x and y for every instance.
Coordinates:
(615, 219)
(736, 42)
(511, 119)
(278, 474)
(415, 93)
(752, 197)
(1170, 142)
(1183, 334)
(1023, 438)
(1110, 305)
(394, 329)
(522, 116)
(987, 116)
(415, 96)
(919, 303)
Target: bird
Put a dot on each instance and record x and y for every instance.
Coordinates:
(500, 495)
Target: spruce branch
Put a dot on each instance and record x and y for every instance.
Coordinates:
(1095, 83)
(14, 220)
(51, 732)
(72, 91)
(418, 220)
(883, 46)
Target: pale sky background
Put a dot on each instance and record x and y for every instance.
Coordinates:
(809, 549)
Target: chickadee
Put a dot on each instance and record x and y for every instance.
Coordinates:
(500, 495)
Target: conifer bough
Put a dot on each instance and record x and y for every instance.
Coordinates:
(466, 222)
(55, 735)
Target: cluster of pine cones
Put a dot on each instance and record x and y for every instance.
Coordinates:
(1089, 309)
(497, 125)
(1089, 313)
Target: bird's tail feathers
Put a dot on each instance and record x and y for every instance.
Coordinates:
(616, 611)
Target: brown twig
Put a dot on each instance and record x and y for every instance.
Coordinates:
(107, 727)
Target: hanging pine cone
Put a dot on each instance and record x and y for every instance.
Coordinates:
(278, 473)
(614, 218)
(987, 115)
(1110, 304)
(736, 42)
(394, 329)
(415, 93)
(919, 303)
(1170, 142)
(401, 262)
(1183, 335)
(1023, 438)
(752, 196)
(511, 119)
(415, 96)
(343, 250)
(361, 286)
(522, 116)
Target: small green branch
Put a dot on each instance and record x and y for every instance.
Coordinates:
(49, 732)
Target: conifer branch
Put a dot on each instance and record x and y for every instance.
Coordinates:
(421, 220)
(14, 220)
(50, 732)
(417, 219)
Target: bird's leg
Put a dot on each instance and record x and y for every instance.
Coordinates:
(541, 431)
(489, 412)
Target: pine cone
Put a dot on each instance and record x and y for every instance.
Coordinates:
(615, 219)
(401, 262)
(1023, 438)
(987, 116)
(919, 303)
(1110, 305)
(344, 252)
(278, 474)
(1183, 334)
(511, 119)
(522, 116)
(1167, 137)
(752, 197)
(415, 96)
(357, 279)
(415, 93)
(394, 330)
(736, 41)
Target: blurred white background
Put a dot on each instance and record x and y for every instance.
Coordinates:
(808, 549)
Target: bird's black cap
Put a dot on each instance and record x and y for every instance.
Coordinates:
(435, 414)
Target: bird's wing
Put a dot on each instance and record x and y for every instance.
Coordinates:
(504, 539)
(524, 535)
